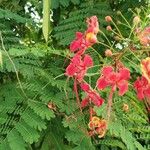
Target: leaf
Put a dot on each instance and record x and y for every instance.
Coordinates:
(42, 110)
(28, 133)
(46, 18)
(75, 1)
(5, 146)
(33, 120)
(1, 59)
(15, 140)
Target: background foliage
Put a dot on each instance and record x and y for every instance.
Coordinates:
(38, 108)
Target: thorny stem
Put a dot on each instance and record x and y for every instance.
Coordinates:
(17, 75)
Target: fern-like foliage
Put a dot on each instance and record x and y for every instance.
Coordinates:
(67, 27)
(24, 108)
(64, 3)
(9, 22)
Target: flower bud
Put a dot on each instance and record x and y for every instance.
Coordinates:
(51, 106)
(125, 107)
(117, 38)
(108, 19)
(118, 12)
(108, 28)
(136, 20)
(108, 53)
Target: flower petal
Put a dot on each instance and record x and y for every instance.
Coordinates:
(107, 70)
(88, 62)
(123, 87)
(147, 92)
(124, 74)
(85, 102)
(85, 87)
(79, 35)
(74, 45)
(140, 94)
(102, 83)
(95, 98)
(71, 70)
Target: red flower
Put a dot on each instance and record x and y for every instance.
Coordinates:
(85, 87)
(111, 78)
(79, 42)
(142, 88)
(145, 67)
(85, 102)
(92, 96)
(87, 39)
(92, 24)
(79, 66)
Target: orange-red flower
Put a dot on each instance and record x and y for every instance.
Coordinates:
(145, 66)
(111, 78)
(142, 88)
(78, 66)
(92, 25)
(79, 43)
(98, 126)
(87, 39)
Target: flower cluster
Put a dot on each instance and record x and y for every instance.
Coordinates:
(78, 66)
(97, 126)
(116, 76)
(81, 62)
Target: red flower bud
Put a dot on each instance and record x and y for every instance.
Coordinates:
(108, 53)
(108, 28)
(108, 19)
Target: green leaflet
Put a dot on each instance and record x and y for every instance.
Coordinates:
(16, 142)
(46, 18)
